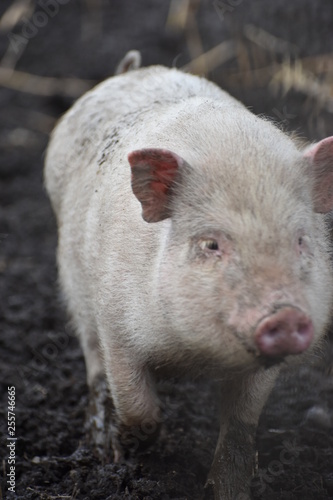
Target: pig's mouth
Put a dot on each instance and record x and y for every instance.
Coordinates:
(269, 362)
(263, 361)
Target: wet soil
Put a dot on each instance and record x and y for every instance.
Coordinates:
(39, 355)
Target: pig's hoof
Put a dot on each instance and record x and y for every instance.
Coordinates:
(208, 490)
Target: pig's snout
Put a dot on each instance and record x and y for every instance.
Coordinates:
(288, 331)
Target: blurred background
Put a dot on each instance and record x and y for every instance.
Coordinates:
(276, 57)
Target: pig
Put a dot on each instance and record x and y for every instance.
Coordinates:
(193, 238)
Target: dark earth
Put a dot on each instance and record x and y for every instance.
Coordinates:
(83, 41)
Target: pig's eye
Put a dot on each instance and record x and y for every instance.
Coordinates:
(209, 244)
(303, 245)
(300, 245)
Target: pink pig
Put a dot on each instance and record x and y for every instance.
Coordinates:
(193, 235)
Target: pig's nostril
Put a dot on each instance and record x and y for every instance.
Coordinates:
(274, 332)
(289, 331)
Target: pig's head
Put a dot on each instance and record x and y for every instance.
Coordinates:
(244, 276)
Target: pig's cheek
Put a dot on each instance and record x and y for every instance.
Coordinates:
(200, 287)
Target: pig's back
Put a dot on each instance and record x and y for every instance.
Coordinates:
(109, 112)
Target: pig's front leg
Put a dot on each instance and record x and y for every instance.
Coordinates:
(123, 413)
(136, 414)
(100, 422)
(242, 400)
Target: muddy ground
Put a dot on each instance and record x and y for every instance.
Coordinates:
(39, 355)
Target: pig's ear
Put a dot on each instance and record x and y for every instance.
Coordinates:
(321, 156)
(153, 177)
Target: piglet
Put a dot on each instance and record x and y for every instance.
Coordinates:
(193, 236)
